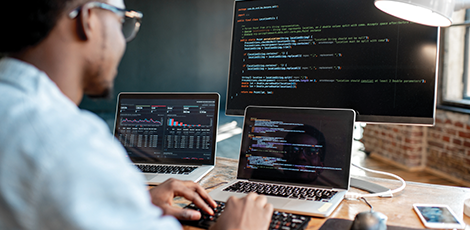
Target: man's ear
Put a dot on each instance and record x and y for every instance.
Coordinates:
(84, 25)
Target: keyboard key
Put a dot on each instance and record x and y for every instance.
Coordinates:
(165, 169)
(279, 220)
(282, 191)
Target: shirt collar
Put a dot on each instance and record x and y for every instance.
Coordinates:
(21, 74)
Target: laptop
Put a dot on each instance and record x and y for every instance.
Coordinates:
(299, 158)
(169, 135)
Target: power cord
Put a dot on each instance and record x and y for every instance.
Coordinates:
(371, 208)
(213, 186)
(354, 195)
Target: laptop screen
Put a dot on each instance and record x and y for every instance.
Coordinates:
(177, 128)
(297, 145)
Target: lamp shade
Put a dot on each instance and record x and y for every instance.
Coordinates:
(426, 12)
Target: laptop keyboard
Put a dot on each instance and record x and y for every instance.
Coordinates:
(166, 169)
(279, 220)
(287, 191)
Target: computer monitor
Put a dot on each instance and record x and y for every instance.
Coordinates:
(335, 54)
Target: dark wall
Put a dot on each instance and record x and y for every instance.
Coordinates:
(182, 46)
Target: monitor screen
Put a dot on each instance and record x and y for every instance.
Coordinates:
(332, 54)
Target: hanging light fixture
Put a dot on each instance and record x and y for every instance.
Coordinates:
(426, 12)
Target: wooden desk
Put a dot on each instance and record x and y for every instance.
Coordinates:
(398, 209)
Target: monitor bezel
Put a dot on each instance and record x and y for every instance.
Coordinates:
(369, 119)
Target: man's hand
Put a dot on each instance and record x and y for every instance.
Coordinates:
(162, 196)
(249, 213)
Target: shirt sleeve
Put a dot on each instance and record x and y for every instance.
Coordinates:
(89, 183)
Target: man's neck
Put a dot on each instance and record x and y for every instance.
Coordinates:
(60, 73)
(60, 62)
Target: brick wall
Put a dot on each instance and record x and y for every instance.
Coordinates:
(402, 144)
(443, 149)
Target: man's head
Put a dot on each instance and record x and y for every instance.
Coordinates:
(53, 34)
(307, 148)
(26, 23)
(307, 140)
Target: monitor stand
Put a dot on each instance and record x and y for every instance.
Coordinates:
(369, 186)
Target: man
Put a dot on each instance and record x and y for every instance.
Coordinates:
(60, 168)
(309, 149)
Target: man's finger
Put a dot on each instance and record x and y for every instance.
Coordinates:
(201, 192)
(261, 200)
(270, 208)
(198, 201)
(190, 191)
(182, 214)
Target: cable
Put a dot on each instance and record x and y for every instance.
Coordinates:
(213, 186)
(371, 208)
(354, 195)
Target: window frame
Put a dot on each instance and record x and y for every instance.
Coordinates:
(462, 104)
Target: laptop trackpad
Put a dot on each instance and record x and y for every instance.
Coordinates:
(320, 207)
(149, 176)
(276, 202)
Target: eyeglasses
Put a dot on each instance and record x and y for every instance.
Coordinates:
(131, 19)
(307, 151)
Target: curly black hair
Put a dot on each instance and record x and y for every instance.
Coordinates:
(26, 23)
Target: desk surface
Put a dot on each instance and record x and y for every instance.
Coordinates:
(398, 209)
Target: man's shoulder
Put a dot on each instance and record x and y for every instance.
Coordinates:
(47, 124)
(39, 109)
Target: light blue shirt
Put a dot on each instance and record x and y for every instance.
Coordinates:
(60, 168)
